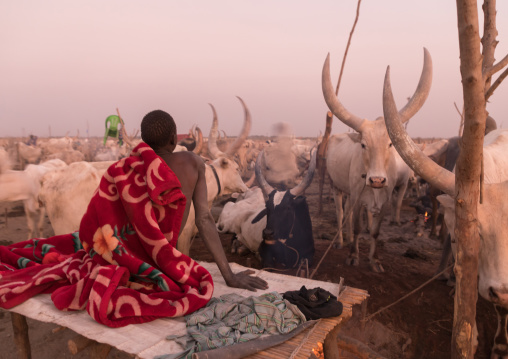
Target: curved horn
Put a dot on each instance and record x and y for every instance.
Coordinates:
(333, 102)
(267, 189)
(233, 148)
(199, 140)
(307, 180)
(411, 154)
(422, 91)
(212, 137)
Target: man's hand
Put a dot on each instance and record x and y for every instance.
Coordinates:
(244, 280)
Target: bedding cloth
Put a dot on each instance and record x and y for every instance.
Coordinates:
(122, 266)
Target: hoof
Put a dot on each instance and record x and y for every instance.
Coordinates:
(338, 245)
(377, 267)
(353, 261)
(243, 251)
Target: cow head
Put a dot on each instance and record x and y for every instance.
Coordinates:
(375, 143)
(228, 174)
(279, 165)
(287, 237)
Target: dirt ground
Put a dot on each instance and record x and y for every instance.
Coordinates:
(419, 326)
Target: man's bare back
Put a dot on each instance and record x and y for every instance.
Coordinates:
(187, 167)
(190, 170)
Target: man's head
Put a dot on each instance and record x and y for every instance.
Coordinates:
(158, 129)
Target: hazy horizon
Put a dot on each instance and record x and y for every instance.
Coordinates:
(66, 66)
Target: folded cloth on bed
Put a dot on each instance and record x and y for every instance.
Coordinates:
(232, 319)
(122, 266)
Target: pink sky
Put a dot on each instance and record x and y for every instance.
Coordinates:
(66, 65)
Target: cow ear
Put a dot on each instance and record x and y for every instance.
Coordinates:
(446, 201)
(224, 162)
(355, 137)
(259, 216)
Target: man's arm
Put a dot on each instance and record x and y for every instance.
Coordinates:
(208, 231)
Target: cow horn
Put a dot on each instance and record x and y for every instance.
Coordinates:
(243, 134)
(212, 137)
(307, 180)
(411, 154)
(333, 102)
(199, 140)
(422, 91)
(260, 161)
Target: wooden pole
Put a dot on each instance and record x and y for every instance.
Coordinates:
(467, 180)
(20, 329)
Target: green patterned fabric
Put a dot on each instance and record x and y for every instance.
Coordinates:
(233, 318)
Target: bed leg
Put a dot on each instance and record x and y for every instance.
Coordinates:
(97, 350)
(330, 346)
(20, 328)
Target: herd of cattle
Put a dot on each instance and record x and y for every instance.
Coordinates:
(369, 168)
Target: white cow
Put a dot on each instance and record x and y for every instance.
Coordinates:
(364, 164)
(68, 156)
(66, 192)
(5, 161)
(28, 154)
(236, 217)
(24, 186)
(492, 212)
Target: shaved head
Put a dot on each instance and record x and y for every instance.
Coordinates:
(158, 129)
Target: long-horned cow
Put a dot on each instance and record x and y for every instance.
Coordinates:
(492, 212)
(363, 164)
(213, 149)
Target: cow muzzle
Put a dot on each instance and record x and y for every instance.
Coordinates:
(377, 182)
(498, 296)
(268, 236)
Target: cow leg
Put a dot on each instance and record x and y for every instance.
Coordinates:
(397, 204)
(370, 219)
(375, 264)
(354, 251)
(500, 348)
(447, 252)
(340, 214)
(349, 220)
(29, 221)
(40, 223)
(435, 216)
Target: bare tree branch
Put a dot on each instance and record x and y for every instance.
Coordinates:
(496, 84)
(496, 67)
(461, 114)
(347, 46)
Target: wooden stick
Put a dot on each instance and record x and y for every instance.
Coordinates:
(97, 350)
(20, 329)
(78, 343)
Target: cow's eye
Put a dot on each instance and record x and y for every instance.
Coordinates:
(390, 145)
(363, 145)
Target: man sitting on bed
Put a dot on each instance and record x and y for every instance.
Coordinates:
(158, 130)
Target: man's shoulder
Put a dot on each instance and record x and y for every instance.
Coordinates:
(189, 158)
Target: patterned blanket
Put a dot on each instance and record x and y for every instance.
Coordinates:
(122, 266)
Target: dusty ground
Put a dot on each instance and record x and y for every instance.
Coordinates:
(418, 327)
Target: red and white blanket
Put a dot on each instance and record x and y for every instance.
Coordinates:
(122, 266)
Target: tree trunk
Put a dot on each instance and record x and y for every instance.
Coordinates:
(467, 182)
